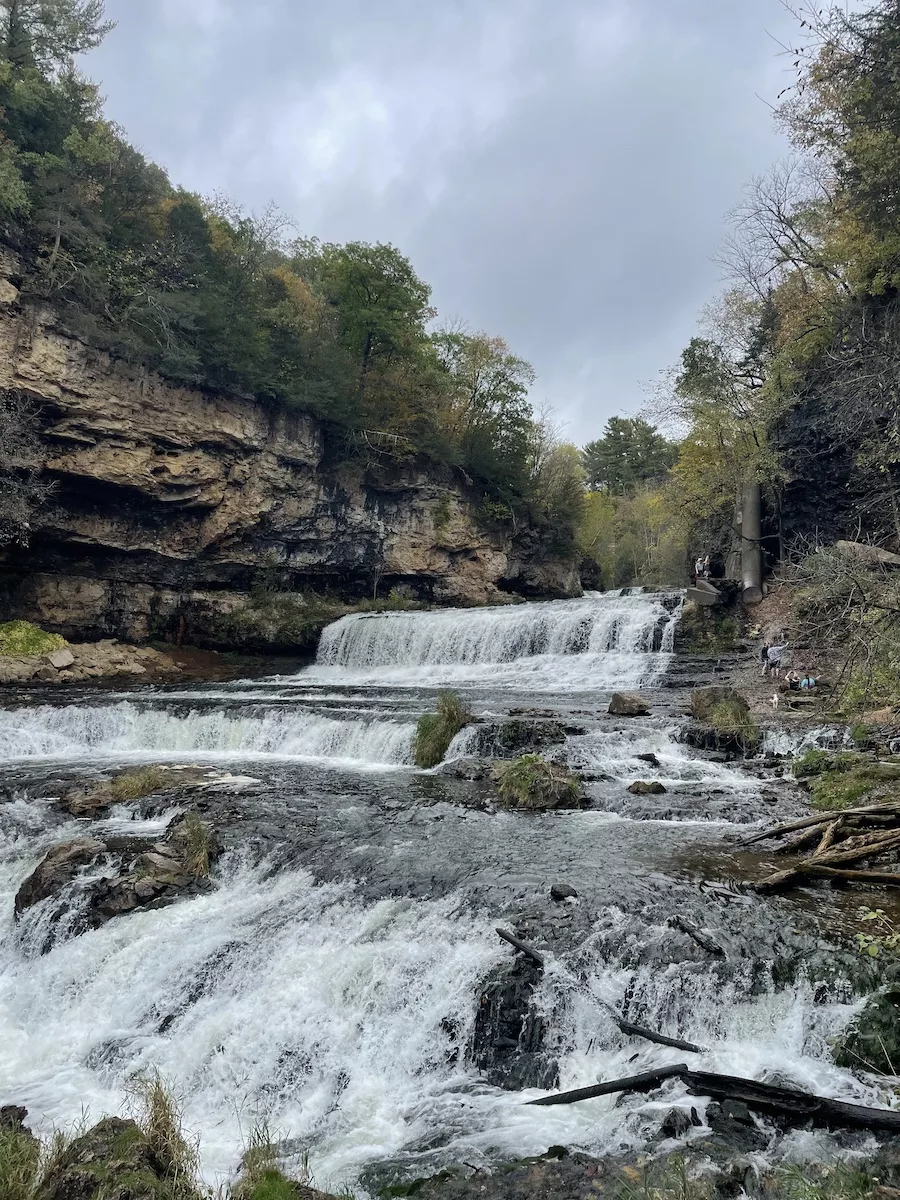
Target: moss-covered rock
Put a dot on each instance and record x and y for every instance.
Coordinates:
(114, 1159)
(531, 782)
(21, 637)
(872, 1042)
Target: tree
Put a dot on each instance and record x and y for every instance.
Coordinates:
(631, 452)
(22, 489)
(489, 416)
(49, 34)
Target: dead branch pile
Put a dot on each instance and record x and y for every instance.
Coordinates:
(833, 845)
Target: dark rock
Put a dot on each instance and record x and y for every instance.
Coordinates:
(508, 1033)
(625, 704)
(648, 758)
(12, 1116)
(57, 868)
(472, 769)
(677, 1122)
(642, 787)
(562, 891)
(114, 1159)
(514, 738)
(873, 1039)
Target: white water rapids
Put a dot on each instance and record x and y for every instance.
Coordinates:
(344, 1017)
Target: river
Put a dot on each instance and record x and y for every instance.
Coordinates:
(329, 985)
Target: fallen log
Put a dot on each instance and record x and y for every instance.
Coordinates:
(627, 1027)
(850, 851)
(823, 819)
(831, 832)
(764, 1097)
(523, 946)
(697, 935)
(886, 878)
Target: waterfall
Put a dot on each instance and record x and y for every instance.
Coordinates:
(128, 730)
(608, 640)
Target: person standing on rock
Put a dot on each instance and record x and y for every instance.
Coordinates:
(773, 659)
(764, 657)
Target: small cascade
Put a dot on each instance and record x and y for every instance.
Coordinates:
(129, 730)
(610, 640)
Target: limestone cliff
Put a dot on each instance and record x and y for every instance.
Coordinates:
(173, 503)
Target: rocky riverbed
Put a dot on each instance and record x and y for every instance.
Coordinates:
(334, 961)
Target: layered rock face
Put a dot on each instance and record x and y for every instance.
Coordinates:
(173, 503)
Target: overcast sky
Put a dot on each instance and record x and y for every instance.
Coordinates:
(558, 170)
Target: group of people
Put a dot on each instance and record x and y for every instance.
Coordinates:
(701, 568)
(772, 659)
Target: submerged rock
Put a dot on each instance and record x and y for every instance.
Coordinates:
(625, 704)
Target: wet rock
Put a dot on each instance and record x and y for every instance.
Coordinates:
(472, 769)
(514, 738)
(626, 704)
(12, 1117)
(508, 1033)
(56, 869)
(678, 1122)
(643, 787)
(114, 1159)
(648, 758)
(533, 712)
(562, 891)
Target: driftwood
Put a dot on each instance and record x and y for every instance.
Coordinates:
(627, 1027)
(523, 946)
(696, 934)
(886, 878)
(892, 807)
(851, 850)
(765, 1097)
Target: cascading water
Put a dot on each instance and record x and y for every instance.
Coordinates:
(329, 984)
(612, 641)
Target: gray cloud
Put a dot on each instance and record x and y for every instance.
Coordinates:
(558, 170)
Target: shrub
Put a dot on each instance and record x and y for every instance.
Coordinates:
(132, 785)
(160, 1122)
(731, 719)
(435, 731)
(196, 837)
(530, 781)
(845, 786)
(21, 637)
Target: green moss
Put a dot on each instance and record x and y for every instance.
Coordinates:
(846, 786)
(435, 731)
(532, 782)
(21, 637)
(817, 762)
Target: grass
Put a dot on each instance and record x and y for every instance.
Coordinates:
(730, 718)
(20, 1160)
(196, 839)
(132, 785)
(435, 731)
(21, 637)
(532, 782)
(159, 1120)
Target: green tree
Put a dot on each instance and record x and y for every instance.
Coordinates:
(631, 452)
(48, 34)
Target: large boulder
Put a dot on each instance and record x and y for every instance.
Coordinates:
(643, 787)
(57, 868)
(625, 704)
(705, 699)
(873, 1038)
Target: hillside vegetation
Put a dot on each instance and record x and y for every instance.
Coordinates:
(215, 297)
